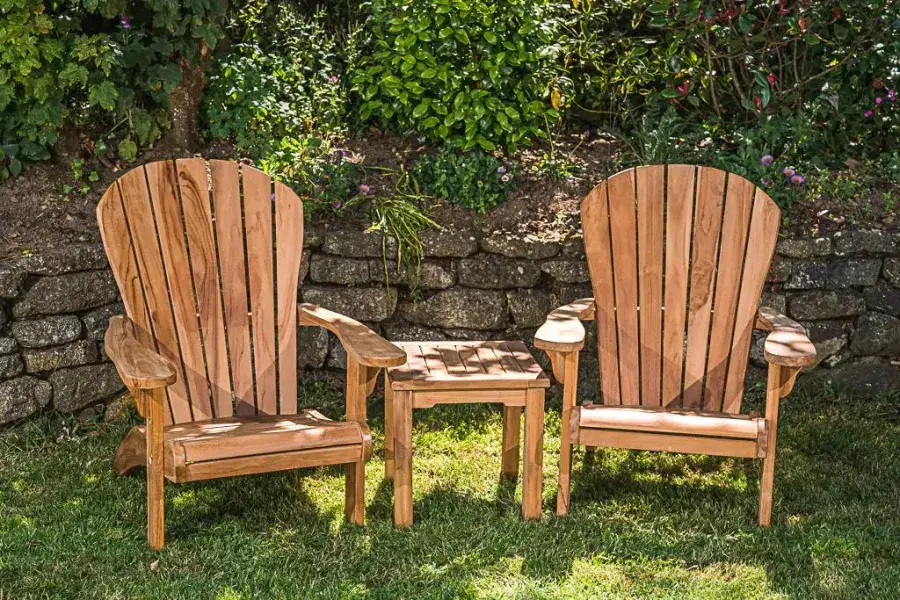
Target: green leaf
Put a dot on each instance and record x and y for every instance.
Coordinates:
(428, 73)
(430, 122)
(486, 143)
(15, 167)
(462, 36)
(490, 37)
(127, 149)
(422, 108)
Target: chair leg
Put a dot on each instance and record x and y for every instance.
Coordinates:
(509, 460)
(155, 470)
(355, 492)
(570, 388)
(388, 429)
(773, 395)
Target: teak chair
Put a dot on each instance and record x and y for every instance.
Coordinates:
(207, 259)
(677, 257)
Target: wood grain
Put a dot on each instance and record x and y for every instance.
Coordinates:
(650, 202)
(704, 257)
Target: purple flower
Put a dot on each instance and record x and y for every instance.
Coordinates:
(765, 182)
(334, 79)
(126, 24)
(788, 172)
(505, 178)
(892, 95)
(364, 189)
(501, 170)
(798, 179)
(273, 197)
(767, 159)
(338, 204)
(867, 114)
(879, 100)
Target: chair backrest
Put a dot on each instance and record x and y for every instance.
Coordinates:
(678, 256)
(207, 258)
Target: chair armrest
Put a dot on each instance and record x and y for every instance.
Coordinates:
(139, 367)
(787, 344)
(563, 331)
(360, 342)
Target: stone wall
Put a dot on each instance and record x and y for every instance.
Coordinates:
(54, 307)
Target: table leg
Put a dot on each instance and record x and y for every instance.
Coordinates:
(509, 462)
(534, 453)
(402, 409)
(388, 429)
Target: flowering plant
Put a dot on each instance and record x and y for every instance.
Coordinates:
(475, 180)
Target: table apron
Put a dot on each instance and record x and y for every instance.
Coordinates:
(428, 398)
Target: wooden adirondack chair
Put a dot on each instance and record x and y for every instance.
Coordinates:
(207, 259)
(677, 257)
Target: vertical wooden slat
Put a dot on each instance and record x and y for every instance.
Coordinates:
(650, 199)
(509, 455)
(153, 401)
(289, 237)
(679, 219)
(570, 390)
(258, 227)
(624, 259)
(595, 223)
(735, 227)
(163, 188)
(114, 231)
(403, 492)
(707, 224)
(230, 238)
(764, 223)
(355, 473)
(136, 198)
(198, 224)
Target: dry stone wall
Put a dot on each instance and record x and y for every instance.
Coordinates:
(54, 307)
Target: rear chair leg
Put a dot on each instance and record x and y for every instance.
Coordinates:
(388, 429)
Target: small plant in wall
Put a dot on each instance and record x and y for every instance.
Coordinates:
(475, 180)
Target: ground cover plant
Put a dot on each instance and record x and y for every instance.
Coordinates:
(643, 525)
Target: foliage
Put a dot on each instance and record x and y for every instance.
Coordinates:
(102, 64)
(283, 80)
(475, 180)
(474, 73)
(822, 63)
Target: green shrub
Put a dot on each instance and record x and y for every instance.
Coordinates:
(93, 64)
(467, 72)
(284, 81)
(475, 180)
(742, 64)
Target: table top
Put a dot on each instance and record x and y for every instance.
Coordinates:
(454, 365)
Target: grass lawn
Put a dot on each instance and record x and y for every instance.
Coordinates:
(643, 525)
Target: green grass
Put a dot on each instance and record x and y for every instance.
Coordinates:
(642, 525)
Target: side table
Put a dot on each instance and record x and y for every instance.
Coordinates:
(461, 373)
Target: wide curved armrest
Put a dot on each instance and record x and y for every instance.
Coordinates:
(139, 367)
(360, 342)
(563, 331)
(787, 344)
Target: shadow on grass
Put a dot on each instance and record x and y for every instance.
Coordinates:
(641, 524)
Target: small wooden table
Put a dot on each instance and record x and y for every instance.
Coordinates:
(460, 373)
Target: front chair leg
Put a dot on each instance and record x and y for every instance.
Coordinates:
(355, 473)
(773, 395)
(153, 401)
(355, 492)
(570, 389)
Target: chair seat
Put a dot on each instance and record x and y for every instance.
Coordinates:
(237, 437)
(659, 420)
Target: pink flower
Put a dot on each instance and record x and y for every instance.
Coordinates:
(867, 114)
(771, 78)
(879, 100)
(798, 179)
(892, 95)
(364, 189)
(788, 172)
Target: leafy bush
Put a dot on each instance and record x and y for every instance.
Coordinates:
(741, 64)
(283, 81)
(475, 180)
(93, 64)
(473, 73)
